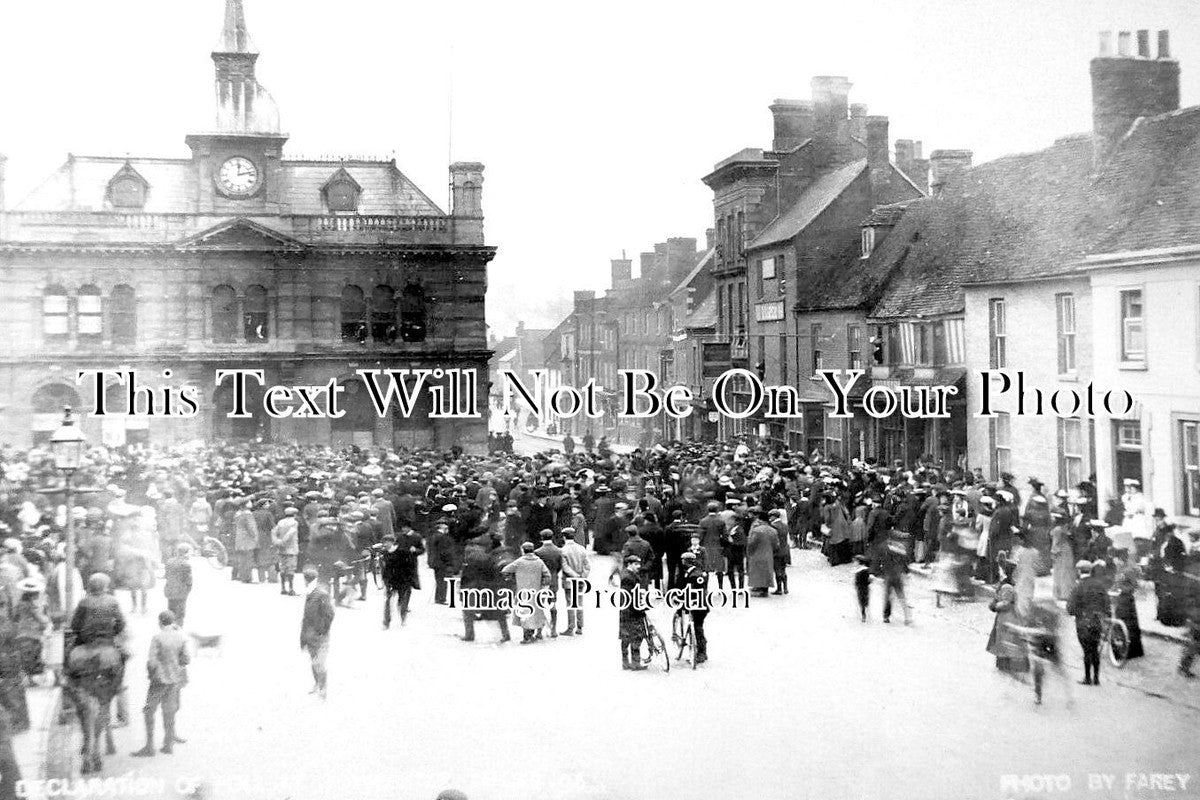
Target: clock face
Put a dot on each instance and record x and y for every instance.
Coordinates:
(238, 176)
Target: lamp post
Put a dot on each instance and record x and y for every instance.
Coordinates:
(67, 444)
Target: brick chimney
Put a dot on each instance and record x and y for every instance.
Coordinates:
(646, 265)
(831, 123)
(858, 121)
(878, 163)
(622, 272)
(584, 301)
(793, 123)
(710, 235)
(946, 166)
(909, 161)
(1128, 86)
(466, 181)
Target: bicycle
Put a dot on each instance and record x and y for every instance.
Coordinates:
(1114, 635)
(683, 634)
(655, 647)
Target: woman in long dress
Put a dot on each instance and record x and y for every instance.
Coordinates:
(1062, 556)
(1005, 645)
(1126, 583)
(760, 556)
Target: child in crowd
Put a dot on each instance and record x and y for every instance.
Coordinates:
(862, 585)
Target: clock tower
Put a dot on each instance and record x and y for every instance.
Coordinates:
(238, 161)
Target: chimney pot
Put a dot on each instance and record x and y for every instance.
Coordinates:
(1143, 44)
(1105, 43)
(1124, 43)
(1164, 44)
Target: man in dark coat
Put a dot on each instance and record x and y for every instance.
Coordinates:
(632, 619)
(637, 546)
(445, 559)
(481, 570)
(1089, 604)
(400, 571)
(314, 630)
(712, 537)
(695, 584)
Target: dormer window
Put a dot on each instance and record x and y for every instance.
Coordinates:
(127, 189)
(868, 241)
(341, 193)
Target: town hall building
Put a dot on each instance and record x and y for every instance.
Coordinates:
(237, 256)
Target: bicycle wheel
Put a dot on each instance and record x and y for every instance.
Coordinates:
(1118, 643)
(215, 554)
(375, 573)
(658, 651)
(689, 639)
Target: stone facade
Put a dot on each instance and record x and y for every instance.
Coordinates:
(239, 257)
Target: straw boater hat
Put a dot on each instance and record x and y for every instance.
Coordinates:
(32, 584)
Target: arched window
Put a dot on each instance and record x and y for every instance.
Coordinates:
(123, 314)
(224, 314)
(53, 398)
(412, 313)
(256, 317)
(89, 313)
(383, 314)
(354, 314)
(55, 312)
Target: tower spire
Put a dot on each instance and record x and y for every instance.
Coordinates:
(234, 37)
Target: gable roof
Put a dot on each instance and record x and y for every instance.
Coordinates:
(697, 270)
(81, 184)
(815, 198)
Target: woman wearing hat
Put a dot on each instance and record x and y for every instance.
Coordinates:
(1125, 582)
(1062, 557)
(33, 625)
(1003, 643)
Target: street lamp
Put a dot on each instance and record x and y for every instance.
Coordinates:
(67, 444)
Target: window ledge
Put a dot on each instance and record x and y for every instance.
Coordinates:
(1068, 377)
(1132, 366)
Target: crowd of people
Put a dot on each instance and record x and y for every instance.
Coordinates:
(671, 515)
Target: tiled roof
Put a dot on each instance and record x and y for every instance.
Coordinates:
(1036, 215)
(888, 214)
(1017, 217)
(845, 280)
(1154, 177)
(815, 198)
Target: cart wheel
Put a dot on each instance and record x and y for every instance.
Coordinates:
(215, 554)
(1118, 644)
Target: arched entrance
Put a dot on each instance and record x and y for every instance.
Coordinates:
(117, 428)
(48, 403)
(248, 429)
(414, 432)
(357, 425)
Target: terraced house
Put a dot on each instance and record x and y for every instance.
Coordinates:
(239, 255)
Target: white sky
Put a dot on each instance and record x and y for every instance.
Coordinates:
(595, 121)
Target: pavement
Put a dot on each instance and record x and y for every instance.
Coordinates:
(799, 700)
